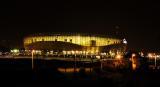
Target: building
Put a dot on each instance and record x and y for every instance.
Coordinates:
(74, 43)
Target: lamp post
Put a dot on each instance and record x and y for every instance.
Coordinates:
(155, 61)
(75, 63)
(134, 62)
(32, 59)
(101, 63)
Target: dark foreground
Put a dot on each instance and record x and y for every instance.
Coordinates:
(46, 74)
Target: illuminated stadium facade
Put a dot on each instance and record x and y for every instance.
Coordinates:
(79, 43)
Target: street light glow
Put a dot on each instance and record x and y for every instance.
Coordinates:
(133, 55)
(118, 56)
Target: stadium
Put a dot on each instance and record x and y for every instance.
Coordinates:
(74, 43)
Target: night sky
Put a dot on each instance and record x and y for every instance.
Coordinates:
(137, 21)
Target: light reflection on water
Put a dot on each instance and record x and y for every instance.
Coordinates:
(71, 70)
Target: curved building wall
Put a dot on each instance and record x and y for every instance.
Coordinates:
(76, 39)
(74, 43)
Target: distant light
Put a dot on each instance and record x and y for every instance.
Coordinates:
(33, 51)
(133, 55)
(69, 52)
(15, 50)
(112, 54)
(142, 54)
(77, 52)
(103, 54)
(118, 56)
(73, 52)
(124, 41)
(134, 66)
(92, 52)
(83, 52)
(158, 56)
(86, 52)
(64, 52)
(98, 57)
(151, 55)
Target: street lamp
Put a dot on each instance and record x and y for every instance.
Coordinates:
(134, 61)
(33, 59)
(101, 64)
(118, 57)
(155, 61)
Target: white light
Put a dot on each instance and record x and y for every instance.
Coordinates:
(11, 50)
(98, 57)
(103, 54)
(15, 51)
(64, 52)
(69, 52)
(73, 52)
(133, 55)
(77, 52)
(158, 56)
(33, 51)
(84, 52)
(124, 41)
(150, 55)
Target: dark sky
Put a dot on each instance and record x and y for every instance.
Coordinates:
(137, 21)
